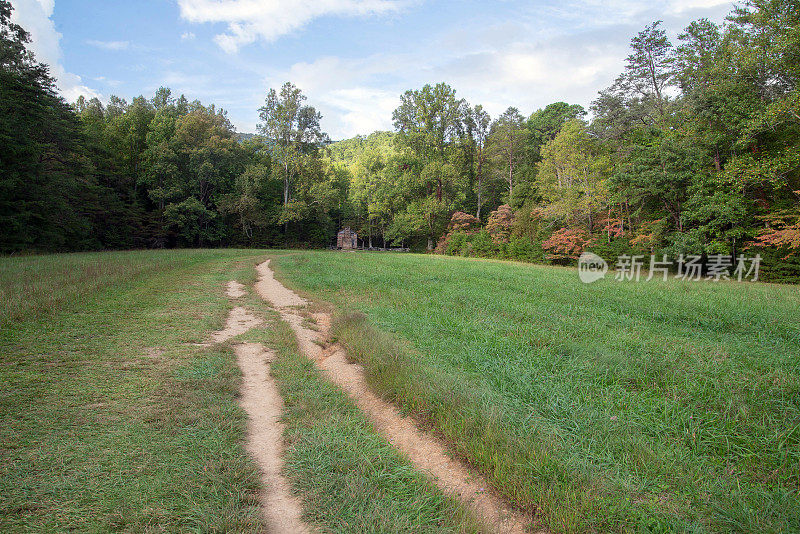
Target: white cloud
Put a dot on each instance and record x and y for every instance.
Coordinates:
(347, 92)
(681, 6)
(35, 17)
(357, 96)
(543, 54)
(566, 54)
(360, 110)
(107, 81)
(251, 20)
(188, 36)
(109, 45)
(531, 75)
(599, 13)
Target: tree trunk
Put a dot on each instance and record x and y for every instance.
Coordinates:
(480, 187)
(430, 232)
(510, 179)
(286, 184)
(652, 67)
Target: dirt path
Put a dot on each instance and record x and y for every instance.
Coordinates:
(235, 290)
(264, 406)
(239, 321)
(426, 451)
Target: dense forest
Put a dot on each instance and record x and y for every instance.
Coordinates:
(695, 149)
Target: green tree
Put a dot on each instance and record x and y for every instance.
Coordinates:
(429, 123)
(544, 125)
(478, 124)
(47, 193)
(428, 120)
(638, 97)
(648, 71)
(507, 141)
(292, 128)
(573, 177)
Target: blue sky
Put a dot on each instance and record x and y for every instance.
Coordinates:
(353, 58)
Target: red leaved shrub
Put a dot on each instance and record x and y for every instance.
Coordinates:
(783, 230)
(459, 222)
(566, 243)
(500, 224)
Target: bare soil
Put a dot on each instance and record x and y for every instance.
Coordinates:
(426, 451)
(261, 400)
(273, 291)
(239, 321)
(264, 406)
(235, 290)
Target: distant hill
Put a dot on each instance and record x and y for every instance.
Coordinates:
(242, 137)
(349, 149)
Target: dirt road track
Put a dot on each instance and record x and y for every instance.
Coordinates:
(262, 401)
(427, 452)
(264, 406)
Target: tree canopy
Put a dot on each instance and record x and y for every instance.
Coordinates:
(692, 150)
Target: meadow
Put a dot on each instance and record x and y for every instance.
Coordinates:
(616, 406)
(114, 416)
(350, 478)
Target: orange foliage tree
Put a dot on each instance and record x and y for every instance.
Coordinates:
(459, 222)
(566, 243)
(500, 223)
(783, 230)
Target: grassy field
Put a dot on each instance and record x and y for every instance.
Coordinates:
(660, 406)
(36, 286)
(351, 479)
(113, 419)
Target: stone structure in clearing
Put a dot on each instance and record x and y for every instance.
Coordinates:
(347, 239)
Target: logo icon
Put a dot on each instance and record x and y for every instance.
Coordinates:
(591, 267)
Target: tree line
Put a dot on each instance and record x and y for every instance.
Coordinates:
(692, 150)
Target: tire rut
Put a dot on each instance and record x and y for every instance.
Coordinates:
(426, 452)
(261, 400)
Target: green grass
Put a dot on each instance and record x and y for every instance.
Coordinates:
(653, 407)
(34, 286)
(350, 478)
(110, 419)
